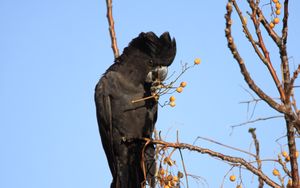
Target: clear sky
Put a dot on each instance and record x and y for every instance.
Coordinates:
(53, 52)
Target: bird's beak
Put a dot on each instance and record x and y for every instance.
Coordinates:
(157, 74)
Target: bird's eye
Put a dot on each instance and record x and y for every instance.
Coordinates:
(151, 62)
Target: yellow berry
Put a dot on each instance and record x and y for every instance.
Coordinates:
(287, 159)
(162, 172)
(183, 84)
(278, 5)
(297, 154)
(245, 19)
(276, 20)
(239, 186)
(172, 98)
(168, 161)
(284, 154)
(175, 178)
(272, 25)
(278, 11)
(275, 172)
(172, 104)
(232, 178)
(173, 183)
(197, 61)
(290, 183)
(169, 177)
(275, 1)
(179, 89)
(166, 186)
(180, 174)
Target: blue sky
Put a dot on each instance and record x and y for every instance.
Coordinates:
(52, 54)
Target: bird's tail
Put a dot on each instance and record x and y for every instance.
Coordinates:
(133, 166)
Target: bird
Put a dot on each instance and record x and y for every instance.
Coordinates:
(123, 123)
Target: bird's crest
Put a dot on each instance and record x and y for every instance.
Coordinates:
(162, 48)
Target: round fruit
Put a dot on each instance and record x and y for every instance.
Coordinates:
(275, 1)
(166, 186)
(278, 11)
(297, 154)
(290, 183)
(183, 84)
(172, 183)
(180, 174)
(162, 172)
(232, 178)
(272, 25)
(172, 104)
(169, 177)
(239, 186)
(276, 20)
(278, 5)
(172, 98)
(275, 172)
(175, 178)
(179, 89)
(284, 154)
(168, 159)
(287, 159)
(197, 61)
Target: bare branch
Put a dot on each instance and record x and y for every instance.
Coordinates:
(244, 71)
(283, 54)
(292, 151)
(295, 76)
(184, 168)
(257, 157)
(112, 32)
(285, 22)
(256, 120)
(283, 165)
(265, 57)
(226, 146)
(266, 25)
(231, 159)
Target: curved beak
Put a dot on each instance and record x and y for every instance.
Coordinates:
(157, 74)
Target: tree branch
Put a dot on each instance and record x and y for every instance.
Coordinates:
(256, 120)
(266, 60)
(257, 157)
(292, 151)
(242, 65)
(231, 159)
(112, 33)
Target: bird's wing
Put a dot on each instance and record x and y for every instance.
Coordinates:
(104, 116)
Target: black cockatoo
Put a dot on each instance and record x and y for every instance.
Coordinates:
(121, 122)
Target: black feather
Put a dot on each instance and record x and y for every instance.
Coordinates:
(121, 122)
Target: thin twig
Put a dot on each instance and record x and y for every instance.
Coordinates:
(226, 146)
(295, 76)
(256, 120)
(283, 165)
(112, 32)
(257, 157)
(184, 169)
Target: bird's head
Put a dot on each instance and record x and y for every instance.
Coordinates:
(158, 53)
